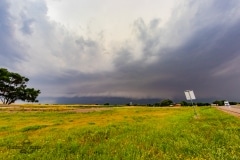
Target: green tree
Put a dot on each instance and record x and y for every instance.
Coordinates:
(13, 87)
(166, 102)
(219, 102)
(184, 103)
(233, 103)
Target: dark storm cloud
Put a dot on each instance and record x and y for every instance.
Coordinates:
(190, 53)
(212, 41)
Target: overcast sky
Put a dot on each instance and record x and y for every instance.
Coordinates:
(128, 48)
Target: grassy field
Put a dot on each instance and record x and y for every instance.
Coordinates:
(129, 133)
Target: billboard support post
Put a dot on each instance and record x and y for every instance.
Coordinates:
(190, 96)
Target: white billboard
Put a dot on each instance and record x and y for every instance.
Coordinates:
(189, 95)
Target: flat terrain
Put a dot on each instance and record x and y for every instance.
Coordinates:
(100, 132)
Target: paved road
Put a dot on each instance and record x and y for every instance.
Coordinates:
(234, 110)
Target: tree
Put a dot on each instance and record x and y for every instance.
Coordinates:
(219, 102)
(166, 102)
(184, 103)
(233, 103)
(13, 87)
(200, 104)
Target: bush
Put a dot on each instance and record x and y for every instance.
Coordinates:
(166, 102)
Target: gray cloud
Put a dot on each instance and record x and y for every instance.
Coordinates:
(9, 46)
(197, 49)
(205, 41)
(26, 26)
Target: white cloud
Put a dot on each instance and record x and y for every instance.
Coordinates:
(51, 46)
(114, 18)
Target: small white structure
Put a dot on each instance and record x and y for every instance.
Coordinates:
(226, 103)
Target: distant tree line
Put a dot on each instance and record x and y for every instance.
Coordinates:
(168, 102)
(221, 102)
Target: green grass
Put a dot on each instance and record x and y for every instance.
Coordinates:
(33, 128)
(121, 133)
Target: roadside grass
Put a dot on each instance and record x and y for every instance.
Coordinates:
(120, 133)
(52, 107)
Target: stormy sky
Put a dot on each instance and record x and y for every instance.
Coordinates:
(131, 49)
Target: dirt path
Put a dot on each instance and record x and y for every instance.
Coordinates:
(234, 110)
(83, 110)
